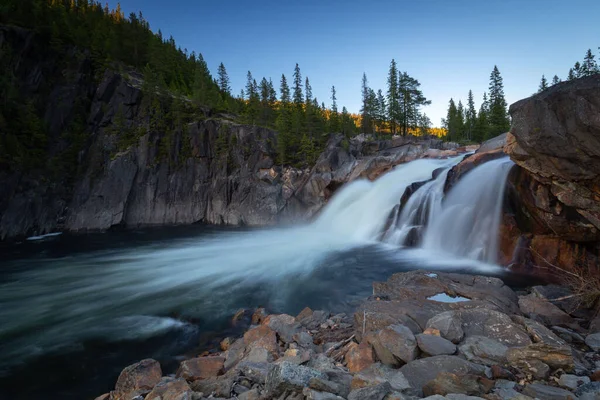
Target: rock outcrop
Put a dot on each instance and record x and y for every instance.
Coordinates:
(555, 194)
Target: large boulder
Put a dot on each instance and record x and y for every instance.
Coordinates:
(555, 139)
(137, 379)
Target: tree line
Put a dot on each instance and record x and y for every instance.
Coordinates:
(399, 110)
(587, 67)
(464, 124)
(113, 40)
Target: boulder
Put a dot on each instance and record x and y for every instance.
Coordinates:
(173, 390)
(311, 394)
(540, 391)
(394, 345)
(201, 368)
(285, 326)
(137, 379)
(287, 376)
(377, 392)
(446, 383)
(541, 310)
(589, 391)
(539, 333)
(359, 356)
(262, 337)
(483, 350)
(554, 356)
(593, 341)
(433, 345)
(379, 373)
(572, 382)
(421, 371)
(479, 322)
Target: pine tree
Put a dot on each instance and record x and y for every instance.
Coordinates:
(481, 125)
(471, 116)
(555, 80)
(543, 84)
(571, 75)
(365, 122)
(450, 123)
(253, 105)
(283, 123)
(498, 115)
(334, 118)
(589, 66)
(411, 98)
(298, 98)
(309, 109)
(460, 120)
(348, 126)
(223, 80)
(577, 69)
(393, 114)
(381, 110)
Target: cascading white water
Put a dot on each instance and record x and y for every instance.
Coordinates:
(361, 209)
(468, 222)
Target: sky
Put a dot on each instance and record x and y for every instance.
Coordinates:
(449, 46)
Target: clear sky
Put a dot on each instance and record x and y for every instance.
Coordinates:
(449, 46)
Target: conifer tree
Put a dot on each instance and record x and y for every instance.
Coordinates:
(555, 80)
(481, 126)
(223, 80)
(393, 114)
(411, 98)
(471, 116)
(381, 110)
(334, 118)
(283, 123)
(589, 66)
(365, 122)
(543, 84)
(498, 115)
(571, 75)
(298, 98)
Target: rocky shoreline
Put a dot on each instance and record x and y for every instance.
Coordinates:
(422, 334)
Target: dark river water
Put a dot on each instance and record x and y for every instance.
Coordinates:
(76, 309)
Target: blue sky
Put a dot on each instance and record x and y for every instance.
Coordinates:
(449, 46)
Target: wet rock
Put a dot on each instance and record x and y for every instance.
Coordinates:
(394, 345)
(288, 376)
(259, 315)
(201, 368)
(175, 390)
(540, 391)
(543, 311)
(377, 392)
(555, 357)
(446, 383)
(226, 343)
(593, 341)
(435, 345)
(572, 382)
(421, 371)
(379, 373)
(137, 379)
(359, 356)
(483, 350)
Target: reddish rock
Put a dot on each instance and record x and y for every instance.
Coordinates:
(201, 368)
(469, 163)
(595, 376)
(226, 343)
(174, 390)
(262, 337)
(137, 379)
(259, 315)
(432, 332)
(359, 357)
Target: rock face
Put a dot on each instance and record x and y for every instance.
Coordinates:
(211, 170)
(555, 139)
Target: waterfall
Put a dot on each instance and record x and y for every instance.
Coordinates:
(467, 223)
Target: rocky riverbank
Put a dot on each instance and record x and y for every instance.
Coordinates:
(422, 334)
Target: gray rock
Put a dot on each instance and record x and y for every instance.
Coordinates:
(536, 368)
(458, 396)
(288, 376)
(321, 363)
(394, 345)
(255, 372)
(593, 341)
(421, 371)
(483, 350)
(568, 335)
(541, 310)
(377, 392)
(572, 382)
(449, 325)
(323, 385)
(537, 390)
(435, 345)
(538, 332)
(311, 394)
(589, 391)
(554, 356)
(379, 373)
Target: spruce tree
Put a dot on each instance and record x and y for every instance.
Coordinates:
(471, 116)
(555, 80)
(411, 98)
(223, 80)
(298, 98)
(578, 70)
(543, 84)
(283, 123)
(365, 122)
(381, 110)
(571, 75)
(393, 114)
(481, 125)
(589, 66)
(460, 120)
(498, 115)
(334, 118)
